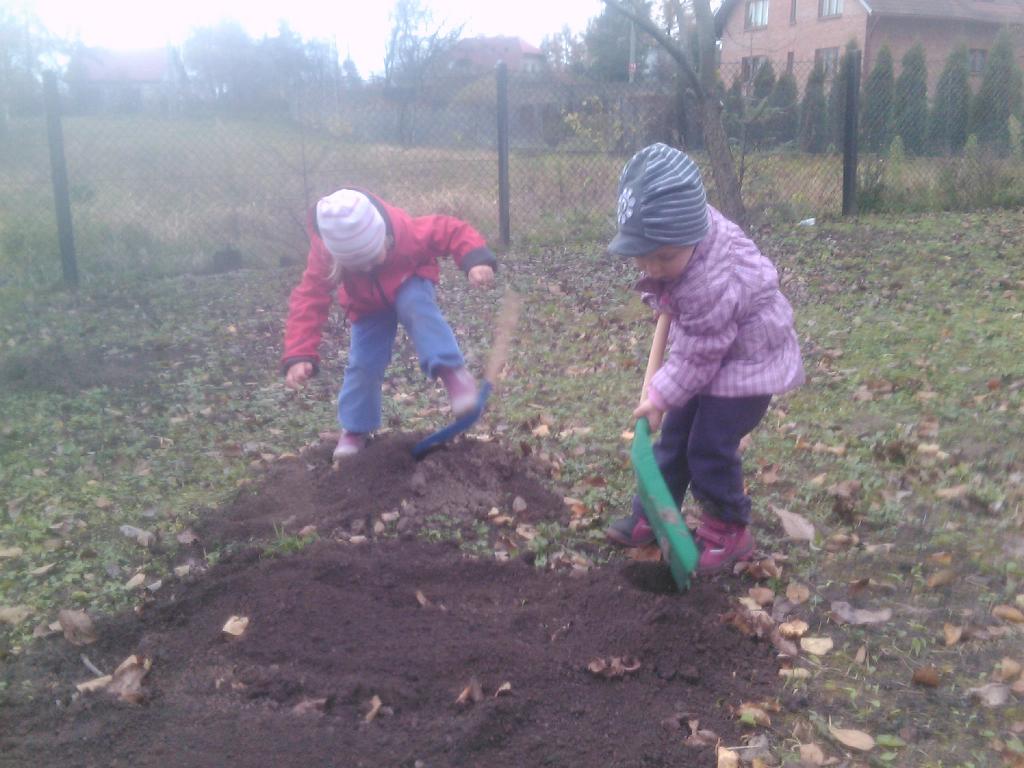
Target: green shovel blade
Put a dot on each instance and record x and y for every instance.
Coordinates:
(673, 536)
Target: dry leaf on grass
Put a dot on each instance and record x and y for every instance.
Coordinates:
(77, 627)
(761, 595)
(797, 593)
(1009, 613)
(793, 629)
(796, 526)
(847, 614)
(811, 754)
(941, 578)
(727, 758)
(236, 625)
(929, 677)
(14, 614)
(861, 655)
(9, 553)
(852, 738)
(1008, 670)
(819, 646)
(96, 684)
(752, 714)
(951, 634)
(991, 695)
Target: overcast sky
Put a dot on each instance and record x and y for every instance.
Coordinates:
(359, 27)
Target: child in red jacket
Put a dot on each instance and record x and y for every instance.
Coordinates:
(382, 263)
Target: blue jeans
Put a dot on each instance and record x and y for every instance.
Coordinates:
(373, 338)
(699, 449)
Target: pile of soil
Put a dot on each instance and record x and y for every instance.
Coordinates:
(400, 627)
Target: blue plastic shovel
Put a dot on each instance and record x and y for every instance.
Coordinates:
(507, 319)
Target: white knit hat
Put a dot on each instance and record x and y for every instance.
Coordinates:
(351, 228)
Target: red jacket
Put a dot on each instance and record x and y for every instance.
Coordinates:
(417, 243)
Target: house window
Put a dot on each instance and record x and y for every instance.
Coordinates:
(830, 8)
(789, 63)
(750, 65)
(757, 14)
(827, 59)
(979, 58)
(792, 11)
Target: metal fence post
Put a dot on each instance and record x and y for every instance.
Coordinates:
(59, 174)
(850, 134)
(504, 217)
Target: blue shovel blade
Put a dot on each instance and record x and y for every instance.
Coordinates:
(461, 424)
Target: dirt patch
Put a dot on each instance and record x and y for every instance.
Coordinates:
(452, 487)
(412, 623)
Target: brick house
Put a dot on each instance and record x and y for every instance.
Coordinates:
(795, 34)
(476, 55)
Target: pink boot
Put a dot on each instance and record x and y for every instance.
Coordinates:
(349, 444)
(461, 388)
(721, 544)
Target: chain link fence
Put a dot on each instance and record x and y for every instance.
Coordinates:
(171, 188)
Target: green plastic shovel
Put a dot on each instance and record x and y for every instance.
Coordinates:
(677, 546)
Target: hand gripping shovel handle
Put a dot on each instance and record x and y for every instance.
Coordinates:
(677, 546)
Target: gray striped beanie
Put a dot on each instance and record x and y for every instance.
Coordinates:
(661, 202)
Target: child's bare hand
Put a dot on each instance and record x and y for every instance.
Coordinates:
(481, 276)
(298, 374)
(651, 412)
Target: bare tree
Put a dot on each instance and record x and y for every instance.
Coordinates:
(415, 45)
(702, 80)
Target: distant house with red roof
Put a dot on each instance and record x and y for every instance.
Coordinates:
(127, 81)
(475, 55)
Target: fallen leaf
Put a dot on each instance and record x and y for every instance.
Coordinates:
(944, 559)
(541, 430)
(794, 629)
(951, 634)
(797, 593)
(751, 714)
(852, 738)
(727, 758)
(1009, 613)
(782, 644)
(310, 706)
(526, 531)
(797, 673)
(505, 687)
(138, 535)
(1009, 669)
(956, 492)
(421, 598)
(649, 554)
(236, 625)
(941, 578)
(812, 754)
(613, 667)
(375, 706)
(471, 693)
(135, 581)
(9, 553)
(991, 695)
(819, 646)
(890, 741)
(14, 614)
(126, 682)
(927, 676)
(838, 542)
(96, 684)
(77, 627)
(762, 595)
(103, 502)
(796, 526)
(850, 615)
(861, 655)
(42, 570)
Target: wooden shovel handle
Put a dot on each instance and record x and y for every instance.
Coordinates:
(657, 351)
(504, 329)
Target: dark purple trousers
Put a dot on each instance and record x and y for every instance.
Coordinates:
(699, 449)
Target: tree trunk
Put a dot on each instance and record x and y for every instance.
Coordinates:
(723, 168)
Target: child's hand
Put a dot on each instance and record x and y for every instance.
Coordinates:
(482, 275)
(653, 414)
(298, 374)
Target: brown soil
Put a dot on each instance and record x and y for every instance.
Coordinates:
(399, 618)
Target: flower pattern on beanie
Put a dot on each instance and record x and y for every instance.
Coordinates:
(626, 203)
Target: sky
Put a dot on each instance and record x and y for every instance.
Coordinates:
(359, 27)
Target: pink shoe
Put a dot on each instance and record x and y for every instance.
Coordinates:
(349, 444)
(721, 544)
(461, 388)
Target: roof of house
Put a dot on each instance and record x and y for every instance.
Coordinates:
(488, 51)
(148, 66)
(984, 11)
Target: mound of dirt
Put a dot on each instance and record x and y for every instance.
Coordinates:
(373, 649)
(452, 487)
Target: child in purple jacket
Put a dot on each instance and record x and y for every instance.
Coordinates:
(732, 346)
